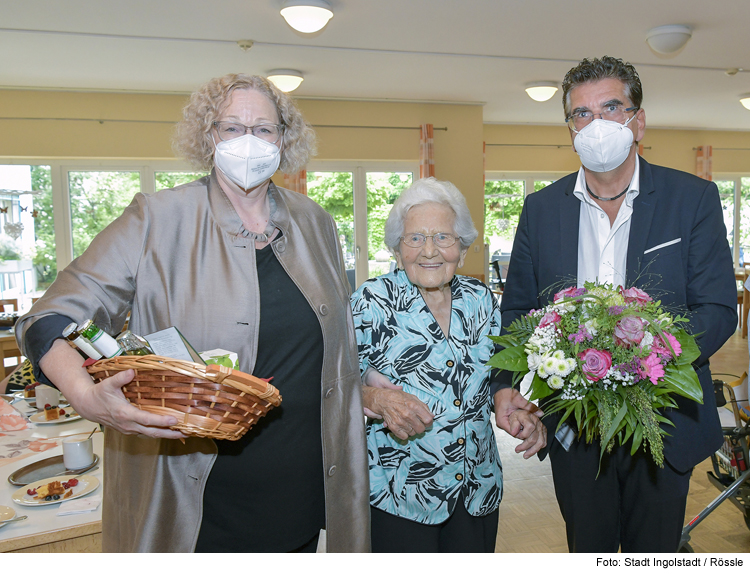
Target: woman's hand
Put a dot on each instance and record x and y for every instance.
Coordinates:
(521, 419)
(104, 402)
(402, 413)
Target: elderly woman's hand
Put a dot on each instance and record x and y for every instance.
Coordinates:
(521, 419)
(402, 413)
(103, 402)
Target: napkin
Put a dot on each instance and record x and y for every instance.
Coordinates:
(11, 419)
(79, 505)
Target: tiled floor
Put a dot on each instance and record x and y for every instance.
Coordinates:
(530, 521)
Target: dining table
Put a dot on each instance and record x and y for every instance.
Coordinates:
(44, 531)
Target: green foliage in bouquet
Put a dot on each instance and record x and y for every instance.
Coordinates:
(610, 361)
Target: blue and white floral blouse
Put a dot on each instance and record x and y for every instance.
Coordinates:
(422, 478)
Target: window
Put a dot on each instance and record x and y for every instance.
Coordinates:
(27, 233)
(734, 193)
(504, 193)
(96, 199)
(359, 197)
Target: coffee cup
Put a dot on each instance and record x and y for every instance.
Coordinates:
(46, 395)
(78, 452)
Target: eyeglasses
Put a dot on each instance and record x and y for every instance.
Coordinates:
(582, 117)
(417, 240)
(265, 131)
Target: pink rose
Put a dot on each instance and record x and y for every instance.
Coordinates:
(571, 291)
(651, 368)
(595, 363)
(549, 319)
(635, 295)
(629, 331)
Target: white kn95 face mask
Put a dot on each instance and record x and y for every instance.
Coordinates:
(604, 145)
(248, 161)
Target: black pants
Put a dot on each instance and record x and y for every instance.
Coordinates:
(461, 533)
(633, 504)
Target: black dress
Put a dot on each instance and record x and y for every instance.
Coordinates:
(265, 492)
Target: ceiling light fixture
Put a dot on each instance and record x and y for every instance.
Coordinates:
(669, 39)
(286, 79)
(542, 91)
(745, 100)
(307, 15)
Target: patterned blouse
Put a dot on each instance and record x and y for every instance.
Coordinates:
(422, 478)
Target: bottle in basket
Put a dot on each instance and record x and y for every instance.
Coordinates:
(105, 344)
(133, 344)
(71, 334)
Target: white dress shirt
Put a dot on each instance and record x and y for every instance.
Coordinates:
(603, 249)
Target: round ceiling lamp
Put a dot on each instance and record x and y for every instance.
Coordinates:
(670, 39)
(542, 91)
(286, 79)
(745, 100)
(307, 15)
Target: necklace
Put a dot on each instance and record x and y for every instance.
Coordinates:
(620, 195)
(270, 226)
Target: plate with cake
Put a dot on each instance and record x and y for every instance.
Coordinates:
(54, 490)
(55, 415)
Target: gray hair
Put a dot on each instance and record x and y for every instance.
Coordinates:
(425, 191)
(607, 67)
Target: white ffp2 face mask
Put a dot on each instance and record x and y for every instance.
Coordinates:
(248, 161)
(604, 145)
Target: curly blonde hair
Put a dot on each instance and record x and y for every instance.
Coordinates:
(192, 139)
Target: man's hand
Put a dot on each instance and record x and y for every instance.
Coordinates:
(521, 419)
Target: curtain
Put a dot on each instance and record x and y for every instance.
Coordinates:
(704, 162)
(426, 154)
(484, 162)
(296, 182)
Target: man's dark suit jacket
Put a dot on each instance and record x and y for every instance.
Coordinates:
(694, 277)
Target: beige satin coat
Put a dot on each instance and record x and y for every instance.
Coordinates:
(178, 258)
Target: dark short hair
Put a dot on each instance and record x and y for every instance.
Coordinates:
(607, 67)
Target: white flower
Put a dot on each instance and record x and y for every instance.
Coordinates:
(647, 341)
(591, 326)
(534, 360)
(558, 355)
(555, 382)
(549, 365)
(561, 368)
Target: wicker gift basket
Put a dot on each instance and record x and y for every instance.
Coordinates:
(210, 402)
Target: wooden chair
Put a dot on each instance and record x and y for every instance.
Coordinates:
(11, 353)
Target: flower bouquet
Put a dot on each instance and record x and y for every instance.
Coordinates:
(608, 359)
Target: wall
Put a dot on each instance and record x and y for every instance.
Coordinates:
(668, 147)
(58, 124)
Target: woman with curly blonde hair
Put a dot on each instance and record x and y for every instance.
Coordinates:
(233, 262)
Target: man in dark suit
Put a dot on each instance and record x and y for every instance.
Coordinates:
(622, 220)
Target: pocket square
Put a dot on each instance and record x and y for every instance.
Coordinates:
(658, 246)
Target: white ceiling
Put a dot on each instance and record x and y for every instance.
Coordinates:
(468, 51)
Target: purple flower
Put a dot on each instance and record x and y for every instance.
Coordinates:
(615, 309)
(581, 336)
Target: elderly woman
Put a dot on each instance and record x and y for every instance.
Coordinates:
(234, 262)
(435, 473)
